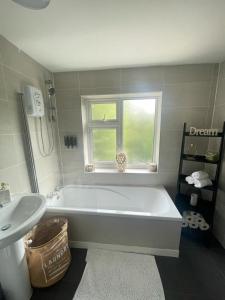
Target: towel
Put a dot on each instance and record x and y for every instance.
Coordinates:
(200, 175)
(190, 180)
(202, 183)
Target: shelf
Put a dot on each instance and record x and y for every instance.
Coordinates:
(203, 207)
(198, 158)
(220, 134)
(209, 188)
(206, 208)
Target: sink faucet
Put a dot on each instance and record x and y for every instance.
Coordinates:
(4, 194)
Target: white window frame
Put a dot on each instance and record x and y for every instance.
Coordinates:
(89, 124)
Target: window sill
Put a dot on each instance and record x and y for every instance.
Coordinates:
(127, 171)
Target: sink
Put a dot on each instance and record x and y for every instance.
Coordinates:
(17, 218)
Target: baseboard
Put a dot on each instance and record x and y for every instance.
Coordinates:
(124, 248)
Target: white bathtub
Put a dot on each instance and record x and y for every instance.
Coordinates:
(139, 219)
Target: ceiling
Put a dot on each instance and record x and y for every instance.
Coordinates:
(97, 34)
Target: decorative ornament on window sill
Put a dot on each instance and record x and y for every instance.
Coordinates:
(121, 160)
(89, 168)
(153, 167)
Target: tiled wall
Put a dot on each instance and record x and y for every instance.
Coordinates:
(188, 95)
(16, 70)
(217, 122)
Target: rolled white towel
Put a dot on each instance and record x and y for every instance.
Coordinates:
(200, 175)
(190, 180)
(202, 183)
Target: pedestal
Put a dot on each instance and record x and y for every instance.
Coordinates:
(14, 276)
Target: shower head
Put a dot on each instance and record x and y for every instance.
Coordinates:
(51, 89)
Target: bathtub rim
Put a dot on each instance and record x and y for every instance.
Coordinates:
(116, 213)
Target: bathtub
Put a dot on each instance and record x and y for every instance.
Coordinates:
(134, 219)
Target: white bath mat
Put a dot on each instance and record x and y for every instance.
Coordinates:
(111, 275)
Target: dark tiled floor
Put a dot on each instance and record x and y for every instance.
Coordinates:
(199, 274)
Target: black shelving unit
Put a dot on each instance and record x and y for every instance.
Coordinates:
(206, 208)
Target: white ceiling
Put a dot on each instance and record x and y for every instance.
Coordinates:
(95, 34)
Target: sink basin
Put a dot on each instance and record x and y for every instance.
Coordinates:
(19, 216)
(16, 219)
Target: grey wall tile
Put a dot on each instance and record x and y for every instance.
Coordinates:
(220, 96)
(219, 117)
(99, 79)
(68, 99)
(174, 118)
(49, 183)
(66, 80)
(15, 83)
(100, 91)
(18, 148)
(142, 88)
(17, 60)
(46, 166)
(3, 95)
(70, 119)
(17, 177)
(169, 159)
(72, 160)
(7, 151)
(15, 116)
(222, 69)
(141, 78)
(189, 94)
(18, 71)
(170, 139)
(2, 40)
(5, 123)
(188, 73)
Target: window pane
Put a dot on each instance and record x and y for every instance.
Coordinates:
(103, 111)
(104, 144)
(138, 130)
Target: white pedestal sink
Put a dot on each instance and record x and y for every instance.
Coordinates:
(16, 219)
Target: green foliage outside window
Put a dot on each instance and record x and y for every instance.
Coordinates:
(138, 131)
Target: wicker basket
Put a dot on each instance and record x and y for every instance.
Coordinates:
(47, 251)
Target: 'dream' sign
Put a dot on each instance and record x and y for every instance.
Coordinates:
(196, 131)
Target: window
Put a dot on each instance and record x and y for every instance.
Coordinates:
(121, 123)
